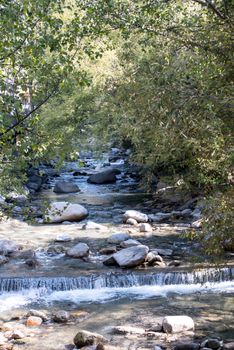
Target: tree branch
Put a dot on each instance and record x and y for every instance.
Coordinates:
(210, 5)
(30, 113)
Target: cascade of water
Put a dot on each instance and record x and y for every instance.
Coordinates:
(118, 280)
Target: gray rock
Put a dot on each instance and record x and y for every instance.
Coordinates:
(157, 326)
(159, 217)
(63, 238)
(108, 250)
(117, 238)
(174, 263)
(8, 247)
(61, 316)
(32, 262)
(123, 330)
(164, 252)
(177, 324)
(144, 227)
(80, 250)
(196, 214)
(64, 211)
(38, 313)
(90, 225)
(229, 346)
(3, 260)
(197, 223)
(56, 249)
(110, 261)
(104, 177)
(136, 215)
(14, 197)
(151, 258)
(85, 338)
(129, 243)
(131, 257)
(187, 346)
(35, 182)
(131, 221)
(65, 187)
(212, 343)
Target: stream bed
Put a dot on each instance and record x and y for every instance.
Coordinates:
(106, 296)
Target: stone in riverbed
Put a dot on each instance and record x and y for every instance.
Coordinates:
(136, 215)
(18, 334)
(3, 260)
(38, 313)
(61, 316)
(80, 250)
(177, 324)
(56, 249)
(65, 187)
(123, 330)
(164, 252)
(110, 261)
(144, 227)
(34, 321)
(131, 257)
(229, 346)
(85, 338)
(174, 263)
(104, 177)
(90, 225)
(63, 238)
(117, 238)
(132, 222)
(64, 211)
(187, 346)
(151, 258)
(129, 243)
(108, 250)
(212, 343)
(8, 247)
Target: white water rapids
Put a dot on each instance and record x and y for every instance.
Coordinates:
(48, 291)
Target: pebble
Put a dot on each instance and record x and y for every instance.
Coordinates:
(34, 321)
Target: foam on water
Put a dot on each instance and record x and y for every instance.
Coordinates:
(12, 300)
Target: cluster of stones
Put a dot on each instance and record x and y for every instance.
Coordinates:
(86, 340)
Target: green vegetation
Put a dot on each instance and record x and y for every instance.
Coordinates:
(155, 75)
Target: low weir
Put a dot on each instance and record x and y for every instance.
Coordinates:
(118, 280)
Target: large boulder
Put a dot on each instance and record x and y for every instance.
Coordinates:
(80, 250)
(8, 247)
(85, 338)
(104, 177)
(136, 215)
(177, 324)
(65, 187)
(132, 256)
(64, 211)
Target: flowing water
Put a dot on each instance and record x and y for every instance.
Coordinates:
(110, 296)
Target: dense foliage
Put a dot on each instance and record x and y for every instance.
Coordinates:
(155, 75)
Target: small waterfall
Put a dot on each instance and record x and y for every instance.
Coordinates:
(117, 280)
